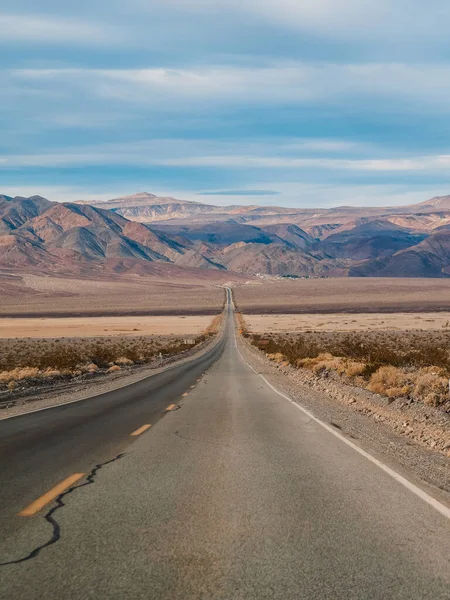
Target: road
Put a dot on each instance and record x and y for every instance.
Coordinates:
(235, 493)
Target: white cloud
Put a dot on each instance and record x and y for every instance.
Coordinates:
(282, 154)
(357, 20)
(412, 86)
(49, 29)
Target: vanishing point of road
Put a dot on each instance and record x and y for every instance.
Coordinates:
(203, 482)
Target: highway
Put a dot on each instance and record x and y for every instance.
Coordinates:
(232, 493)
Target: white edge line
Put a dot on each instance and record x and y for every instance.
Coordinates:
(441, 508)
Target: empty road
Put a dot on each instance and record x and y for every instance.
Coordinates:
(232, 493)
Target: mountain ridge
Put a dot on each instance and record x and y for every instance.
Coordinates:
(250, 240)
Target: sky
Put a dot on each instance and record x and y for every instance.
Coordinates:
(288, 102)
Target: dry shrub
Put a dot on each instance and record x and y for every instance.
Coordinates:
(69, 358)
(51, 373)
(122, 361)
(396, 364)
(214, 326)
(243, 329)
(430, 388)
(355, 368)
(391, 382)
(324, 362)
(276, 357)
(328, 362)
(18, 374)
(89, 368)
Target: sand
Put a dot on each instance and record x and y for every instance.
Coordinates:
(347, 322)
(101, 326)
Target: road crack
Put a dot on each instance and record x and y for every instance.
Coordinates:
(201, 441)
(50, 518)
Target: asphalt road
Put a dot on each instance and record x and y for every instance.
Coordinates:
(236, 494)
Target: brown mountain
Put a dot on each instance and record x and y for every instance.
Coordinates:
(374, 239)
(317, 222)
(429, 258)
(406, 241)
(39, 232)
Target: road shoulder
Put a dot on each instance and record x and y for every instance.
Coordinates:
(425, 467)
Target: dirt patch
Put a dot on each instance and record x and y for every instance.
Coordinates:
(70, 327)
(344, 322)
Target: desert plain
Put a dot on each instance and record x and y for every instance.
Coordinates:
(347, 322)
(124, 326)
(352, 295)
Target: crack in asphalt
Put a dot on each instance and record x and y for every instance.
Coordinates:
(213, 443)
(49, 516)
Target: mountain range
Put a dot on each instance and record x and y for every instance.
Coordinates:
(136, 233)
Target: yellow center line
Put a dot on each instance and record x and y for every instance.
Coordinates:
(185, 394)
(171, 407)
(141, 430)
(46, 498)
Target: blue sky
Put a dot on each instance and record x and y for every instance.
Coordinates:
(290, 102)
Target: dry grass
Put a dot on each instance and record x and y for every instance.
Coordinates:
(215, 325)
(391, 382)
(33, 361)
(413, 365)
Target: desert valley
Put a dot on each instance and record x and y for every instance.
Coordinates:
(350, 303)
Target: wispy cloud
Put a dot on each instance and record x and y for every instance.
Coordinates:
(283, 155)
(412, 86)
(341, 19)
(49, 29)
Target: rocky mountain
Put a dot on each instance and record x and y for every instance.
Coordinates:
(429, 258)
(411, 241)
(373, 239)
(147, 208)
(317, 222)
(38, 232)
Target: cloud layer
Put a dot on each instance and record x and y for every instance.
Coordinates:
(229, 96)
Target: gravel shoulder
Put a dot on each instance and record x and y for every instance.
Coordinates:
(402, 436)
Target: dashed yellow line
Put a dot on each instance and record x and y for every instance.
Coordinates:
(185, 394)
(171, 407)
(46, 498)
(141, 430)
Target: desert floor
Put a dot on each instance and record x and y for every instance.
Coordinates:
(102, 326)
(39, 295)
(358, 295)
(347, 322)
